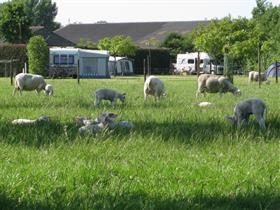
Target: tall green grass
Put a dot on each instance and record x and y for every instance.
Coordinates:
(178, 156)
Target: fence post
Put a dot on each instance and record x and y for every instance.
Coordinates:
(259, 65)
(78, 72)
(144, 69)
(276, 72)
(11, 71)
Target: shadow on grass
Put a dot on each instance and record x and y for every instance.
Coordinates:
(144, 201)
(183, 131)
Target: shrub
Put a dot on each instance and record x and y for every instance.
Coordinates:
(38, 55)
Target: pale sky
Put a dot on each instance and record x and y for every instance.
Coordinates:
(91, 11)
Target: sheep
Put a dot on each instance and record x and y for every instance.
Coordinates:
(213, 84)
(31, 82)
(155, 87)
(254, 76)
(245, 108)
(105, 120)
(108, 94)
(31, 122)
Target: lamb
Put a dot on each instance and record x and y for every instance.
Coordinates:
(31, 122)
(213, 84)
(31, 82)
(155, 87)
(244, 109)
(254, 76)
(105, 120)
(108, 94)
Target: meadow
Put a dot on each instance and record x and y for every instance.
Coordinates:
(178, 156)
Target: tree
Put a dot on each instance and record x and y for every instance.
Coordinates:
(86, 44)
(14, 24)
(176, 43)
(38, 55)
(118, 46)
(41, 13)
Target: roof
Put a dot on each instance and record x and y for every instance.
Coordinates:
(81, 52)
(50, 37)
(140, 32)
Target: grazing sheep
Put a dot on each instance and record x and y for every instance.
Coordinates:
(108, 94)
(155, 87)
(254, 76)
(214, 84)
(31, 82)
(244, 109)
(31, 122)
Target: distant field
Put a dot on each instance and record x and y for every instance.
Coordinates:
(179, 156)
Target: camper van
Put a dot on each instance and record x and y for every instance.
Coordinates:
(67, 62)
(187, 63)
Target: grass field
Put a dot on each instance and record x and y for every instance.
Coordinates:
(178, 156)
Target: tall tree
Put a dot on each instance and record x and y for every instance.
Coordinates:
(41, 12)
(14, 23)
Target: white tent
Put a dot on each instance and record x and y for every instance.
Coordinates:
(91, 63)
(120, 66)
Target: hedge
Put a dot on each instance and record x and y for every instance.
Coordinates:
(13, 51)
(160, 62)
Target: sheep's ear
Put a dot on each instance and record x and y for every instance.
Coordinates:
(230, 119)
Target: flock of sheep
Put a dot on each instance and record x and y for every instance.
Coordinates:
(155, 87)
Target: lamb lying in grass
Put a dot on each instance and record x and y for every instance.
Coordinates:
(42, 119)
(244, 109)
(104, 121)
(108, 94)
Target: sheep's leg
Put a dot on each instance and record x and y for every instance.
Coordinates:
(14, 92)
(97, 101)
(260, 119)
(145, 96)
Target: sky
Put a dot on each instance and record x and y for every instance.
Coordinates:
(114, 11)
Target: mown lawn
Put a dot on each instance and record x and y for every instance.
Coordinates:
(178, 156)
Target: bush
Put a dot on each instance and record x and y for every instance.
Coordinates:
(38, 55)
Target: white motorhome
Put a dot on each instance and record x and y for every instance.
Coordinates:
(187, 63)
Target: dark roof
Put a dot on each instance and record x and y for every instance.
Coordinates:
(50, 37)
(139, 32)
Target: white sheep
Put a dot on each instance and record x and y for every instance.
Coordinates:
(214, 84)
(30, 82)
(155, 87)
(31, 121)
(254, 76)
(244, 109)
(108, 94)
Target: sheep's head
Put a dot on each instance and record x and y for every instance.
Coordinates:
(49, 90)
(107, 117)
(231, 119)
(237, 92)
(122, 97)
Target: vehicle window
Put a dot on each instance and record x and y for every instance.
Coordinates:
(191, 61)
(56, 59)
(63, 59)
(71, 59)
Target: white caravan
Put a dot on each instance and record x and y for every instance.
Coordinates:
(187, 63)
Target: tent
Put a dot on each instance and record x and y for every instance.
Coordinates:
(271, 71)
(64, 62)
(123, 66)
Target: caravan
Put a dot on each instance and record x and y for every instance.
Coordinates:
(187, 63)
(65, 62)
